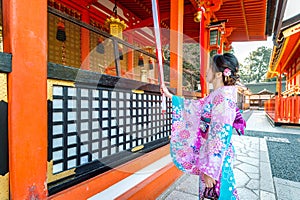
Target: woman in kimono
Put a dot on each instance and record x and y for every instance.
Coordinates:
(202, 129)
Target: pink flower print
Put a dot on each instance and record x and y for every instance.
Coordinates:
(215, 146)
(201, 103)
(184, 134)
(196, 171)
(173, 128)
(178, 125)
(231, 104)
(218, 128)
(227, 72)
(187, 165)
(188, 150)
(218, 99)
(184, 114)
(181, 153)
(189, 123)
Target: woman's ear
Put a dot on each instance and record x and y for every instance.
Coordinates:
(219, 75)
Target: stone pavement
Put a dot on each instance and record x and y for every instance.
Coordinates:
(252, 169)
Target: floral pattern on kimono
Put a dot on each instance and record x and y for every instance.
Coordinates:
(211, 152)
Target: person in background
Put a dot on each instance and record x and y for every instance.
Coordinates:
(202, 130)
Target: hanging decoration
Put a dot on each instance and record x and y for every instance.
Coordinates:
(120, 53)
(198, 14)
(216, 30)
(115, 25)
(141, 61)
(100, 47)
(116, 28)
(150, 64)
(61, 32)
(61, 36)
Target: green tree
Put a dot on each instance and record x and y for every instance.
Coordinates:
(190, 64)
(256, 65)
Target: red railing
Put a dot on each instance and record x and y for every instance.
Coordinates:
(270, 107)
(284, 109)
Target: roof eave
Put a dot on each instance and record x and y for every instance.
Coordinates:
(278, 17)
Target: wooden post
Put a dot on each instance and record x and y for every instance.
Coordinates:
(27, 94)
(277, 102)
(292, 110)
(176, 41)
(278, 109)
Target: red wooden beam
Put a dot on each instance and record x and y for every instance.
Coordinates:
(188, 9)
(90, 187)
(110, 12)
(149, 21)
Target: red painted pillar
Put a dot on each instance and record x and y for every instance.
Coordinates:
(85, 42)
(176, 41)
(203, 48)
(277, 103)
(27, 94)
(292, 110)
(281, 100)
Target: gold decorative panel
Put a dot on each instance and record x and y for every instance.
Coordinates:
(101, 62)
(3, 87)
(53, 177)
(4, 187)
(72, 44)
(51, 82)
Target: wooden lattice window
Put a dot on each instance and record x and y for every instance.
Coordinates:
(89, 125)
(71, 45)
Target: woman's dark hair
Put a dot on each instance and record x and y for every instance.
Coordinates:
(224, 62)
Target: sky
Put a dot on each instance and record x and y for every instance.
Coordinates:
(243, 49)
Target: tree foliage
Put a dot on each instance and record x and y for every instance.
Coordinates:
(190, 64)
(255, 65)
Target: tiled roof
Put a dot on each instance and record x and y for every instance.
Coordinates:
(259, 87)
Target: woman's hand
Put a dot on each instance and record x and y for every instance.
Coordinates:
(165, 90)
(209, 182)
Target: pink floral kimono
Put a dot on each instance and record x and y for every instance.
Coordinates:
(201, 138)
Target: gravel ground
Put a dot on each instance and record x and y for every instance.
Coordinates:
(284, 152)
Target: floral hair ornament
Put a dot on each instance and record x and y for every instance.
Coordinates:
(227, 72)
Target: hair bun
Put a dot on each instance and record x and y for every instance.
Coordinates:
(229, 66)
